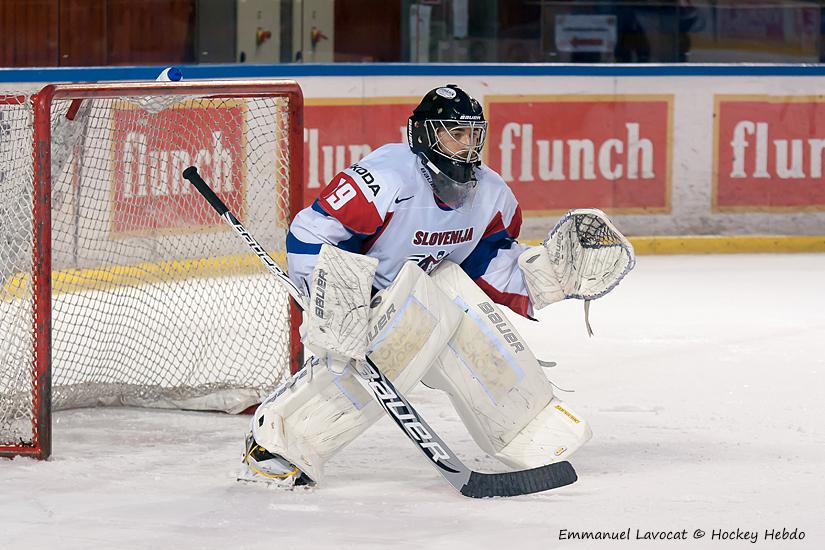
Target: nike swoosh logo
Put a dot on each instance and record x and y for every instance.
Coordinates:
(397, 200)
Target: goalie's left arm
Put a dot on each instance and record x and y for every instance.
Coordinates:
(493, 264)
(584, 257)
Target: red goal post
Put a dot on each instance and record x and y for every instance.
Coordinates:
(114, 272)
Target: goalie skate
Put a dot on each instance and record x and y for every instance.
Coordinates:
(262, 466)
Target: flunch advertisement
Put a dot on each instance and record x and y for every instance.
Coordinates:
(558, 152)
(152, 149)
(555, 152)
(768, 153)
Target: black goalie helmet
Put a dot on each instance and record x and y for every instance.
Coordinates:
(447, 131)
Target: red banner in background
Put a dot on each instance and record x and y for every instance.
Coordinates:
(338, 133)
(555, 152)
(574, 151)
(768, 153)
(150, 152)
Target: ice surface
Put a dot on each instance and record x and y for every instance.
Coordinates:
(703, 384)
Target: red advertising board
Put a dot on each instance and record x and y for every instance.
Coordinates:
(151, 151)
(768, 153)
(340, 132)
(555, 152)
(573, 151)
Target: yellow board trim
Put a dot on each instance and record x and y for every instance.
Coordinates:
(732, 244)
(104, 278)
(77, 280)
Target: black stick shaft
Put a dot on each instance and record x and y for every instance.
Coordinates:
(215, 201)
(203, 188)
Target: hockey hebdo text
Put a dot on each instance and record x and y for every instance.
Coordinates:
(753, 536)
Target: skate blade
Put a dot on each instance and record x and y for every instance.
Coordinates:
(247, 476)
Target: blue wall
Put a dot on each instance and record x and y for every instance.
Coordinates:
(91, 74)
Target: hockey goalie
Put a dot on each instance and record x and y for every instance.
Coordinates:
(407, 257)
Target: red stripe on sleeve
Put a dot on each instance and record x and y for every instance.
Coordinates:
(367, 246)
(517, 302)
(495, 225)
(515, 224)
(345, 202)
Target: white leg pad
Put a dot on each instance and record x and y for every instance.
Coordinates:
(311, 420)
(553, 435)
(496, 384)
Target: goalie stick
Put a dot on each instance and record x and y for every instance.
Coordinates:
(468, 482)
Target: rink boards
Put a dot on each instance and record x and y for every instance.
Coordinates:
(667, 150)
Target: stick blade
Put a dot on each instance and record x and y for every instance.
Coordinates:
(523, 482)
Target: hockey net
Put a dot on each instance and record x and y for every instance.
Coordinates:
(118, 283)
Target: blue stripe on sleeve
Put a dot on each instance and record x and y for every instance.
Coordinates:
(296, 246)
(318, 208)
(479, 259)
(353, 244)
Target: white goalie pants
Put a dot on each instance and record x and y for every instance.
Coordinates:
(444, 331)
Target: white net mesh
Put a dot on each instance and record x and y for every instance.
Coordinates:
(154, 301)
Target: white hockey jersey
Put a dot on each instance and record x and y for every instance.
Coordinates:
(383, 207)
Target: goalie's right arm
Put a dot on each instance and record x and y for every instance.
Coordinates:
(341, 216)
(308, 233)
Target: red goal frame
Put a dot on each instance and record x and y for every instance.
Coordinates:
(41, 445)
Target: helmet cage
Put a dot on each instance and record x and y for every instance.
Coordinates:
(458, 141)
